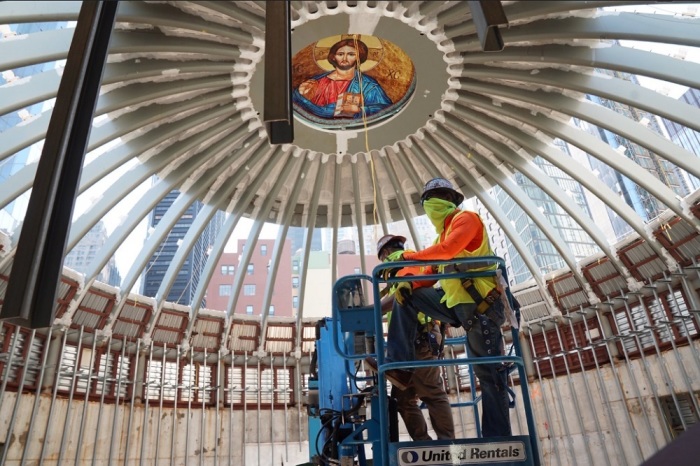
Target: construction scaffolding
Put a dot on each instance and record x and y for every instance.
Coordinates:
(610, 385)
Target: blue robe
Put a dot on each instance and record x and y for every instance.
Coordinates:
(374, 97)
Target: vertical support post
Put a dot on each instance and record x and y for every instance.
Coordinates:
(177, 394)
(86, 401)
(37, 399)
(52, 361)
(18, 398)
(8, 371)
(218, 392)
(202, 393)
(487, 15)
(231, 394)
(287, 393)
(46, 444)
(103, 379)
(67, 431)
(528, 360)
(137, 386)
(277, 106)
(545, 405)
(190, 378)
(163, 364)
(36, 271)
(146, 381)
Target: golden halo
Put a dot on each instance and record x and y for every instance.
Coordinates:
(374, 53)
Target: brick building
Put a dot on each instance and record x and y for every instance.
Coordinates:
(252, 294)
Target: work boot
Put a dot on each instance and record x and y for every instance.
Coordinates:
(400, 378)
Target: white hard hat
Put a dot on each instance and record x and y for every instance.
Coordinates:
(440, 184)
(386, 239)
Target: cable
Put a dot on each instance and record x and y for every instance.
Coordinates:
(318, 435)
(366, 132)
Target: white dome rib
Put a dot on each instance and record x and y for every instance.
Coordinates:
(179, 101)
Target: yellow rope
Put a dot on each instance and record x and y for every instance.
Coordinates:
(366, 131)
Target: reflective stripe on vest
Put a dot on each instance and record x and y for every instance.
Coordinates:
(454, 292)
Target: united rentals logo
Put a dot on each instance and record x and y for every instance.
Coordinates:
(472, 453)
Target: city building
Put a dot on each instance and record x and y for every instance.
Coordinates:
(644, 203)
(613, 226)
(252, 294)
(687, 138)
(319, 279)
(546, 256)
(297, 236)
(185, 285)
(82, 255)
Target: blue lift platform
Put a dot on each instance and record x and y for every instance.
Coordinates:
(345, 420)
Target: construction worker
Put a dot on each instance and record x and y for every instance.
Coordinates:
(473, 304)
(426, 383)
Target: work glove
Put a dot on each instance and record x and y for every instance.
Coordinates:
(402, 292)
(395, 256)
(386, 274)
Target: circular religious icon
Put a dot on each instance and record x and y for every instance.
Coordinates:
(348, 81)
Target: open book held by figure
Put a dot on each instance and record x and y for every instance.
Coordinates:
(347, 98)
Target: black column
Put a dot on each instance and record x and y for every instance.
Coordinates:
(37, 267)
(487, 15)
(277, 107)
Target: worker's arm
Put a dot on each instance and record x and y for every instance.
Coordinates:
(466, 233)
(387, 303)
(416, 270)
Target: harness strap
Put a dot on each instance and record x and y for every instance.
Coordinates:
(483, 303)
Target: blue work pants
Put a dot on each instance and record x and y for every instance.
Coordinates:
(484, 339)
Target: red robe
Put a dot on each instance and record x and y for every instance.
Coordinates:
(327, 91)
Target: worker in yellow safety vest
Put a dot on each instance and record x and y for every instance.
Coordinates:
(475, 304)
(426, 383)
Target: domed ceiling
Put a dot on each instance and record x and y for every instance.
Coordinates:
(182, 94)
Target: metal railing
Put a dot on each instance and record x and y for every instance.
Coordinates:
(364, 315)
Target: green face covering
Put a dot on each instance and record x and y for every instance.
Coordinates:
(394, 256)
(437, 211)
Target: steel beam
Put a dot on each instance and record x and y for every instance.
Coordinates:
(277, 107)
(487, 15)
(33, 283)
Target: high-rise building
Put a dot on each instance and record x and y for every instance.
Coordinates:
(319, 284)
(644, 203)
(250, 299)
(541, 248)
(82, 255)
(687, 138)
(297, 234)
(187, 279)
(13, 214)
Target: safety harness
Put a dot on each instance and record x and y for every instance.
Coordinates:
(483, 303)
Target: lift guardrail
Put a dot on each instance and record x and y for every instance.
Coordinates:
(365, 318)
